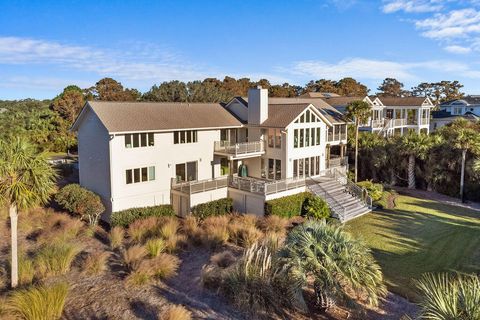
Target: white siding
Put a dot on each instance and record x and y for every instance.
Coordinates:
(93, 157)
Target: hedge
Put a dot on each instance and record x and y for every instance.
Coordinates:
(288, 206)
(125, 217)
(213, 208)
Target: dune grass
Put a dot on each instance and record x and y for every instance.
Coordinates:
(420, 236)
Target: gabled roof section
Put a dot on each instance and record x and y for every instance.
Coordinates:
(120, 117)
(319, 95)
(406, 101)
(281, 115)
(468, 100)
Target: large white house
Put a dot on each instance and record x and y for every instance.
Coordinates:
(136, 154)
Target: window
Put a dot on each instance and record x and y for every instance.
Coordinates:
(295, 138)
(302, 118)
(306, 167)
(457, 110)
(301, 138)
(137, 140)
(317, 142)
(188, 136)
(307, 137)
(186, 171)
(312, 136)
(271, 137)
(140, 175)
(274, 169)
(295, 168)
(278, 139)
(307, 116)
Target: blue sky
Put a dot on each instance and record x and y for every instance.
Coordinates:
(47, 45)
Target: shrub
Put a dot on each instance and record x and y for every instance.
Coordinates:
(375, 190)
(447, 296)
(243, 231)
(139, 230)
(138, 277)
(176, 313)
(191, 229)
(317, 208)
(215, 230)
(81, 201)
(116, 237)
(168, 227)
(223, 259)
(275, 224)
(39, 303)
(96, 263)
(173, 242)
(126, 217)
(133, 257)
(26, 270)
(155, 247)
(164, 266)
(288, 206)
(55, 259)
(213, 208)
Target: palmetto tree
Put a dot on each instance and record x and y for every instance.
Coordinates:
(464, 136)
(359, 112)
(26, 180)
(336, 262)
(448, 297)
(414, 146)
(373, 153)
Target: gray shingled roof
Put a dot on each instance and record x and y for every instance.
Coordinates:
(281, 115)
(341, 101)
(151, 116)
(319, 95)
(407, 101)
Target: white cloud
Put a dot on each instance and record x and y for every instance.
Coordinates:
(412, 6)
(454, 24)
(145, 62)
(380, 69)
(458, 49)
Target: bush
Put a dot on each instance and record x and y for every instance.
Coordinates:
(140, 230)
(176, 313)
(215, 230)
(317, 208)
(56, 259)
(39, 303)
(288, 206)
(96, 263)
(243, 231)
(133, 257)
(191, 228)
(164, 266)
(375, 190)
(155, 247)
(116, 237)
(125, 217)
(81, 201)
(213, 208)
(275, 224)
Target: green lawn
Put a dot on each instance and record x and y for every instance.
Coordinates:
(420, 236)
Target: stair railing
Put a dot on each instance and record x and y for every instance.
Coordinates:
(336, 207)
(353, 189)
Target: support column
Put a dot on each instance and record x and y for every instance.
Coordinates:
(328, 156)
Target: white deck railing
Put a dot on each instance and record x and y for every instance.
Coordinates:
(192, 187)
(377, 123)
(264, 187)
(241, 148)
(336, 136)
(337, 162)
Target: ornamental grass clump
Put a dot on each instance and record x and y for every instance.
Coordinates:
(276, 224)
(39, 302)
(155, 246)
(133, 257)
(243, 231)
(56, 259)
(26, 270)
(96, 263)
(140, 230)
(116, 236)
(191, 228)
(215, 230)
(175, 313)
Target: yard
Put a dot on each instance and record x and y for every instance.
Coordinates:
(420, 236)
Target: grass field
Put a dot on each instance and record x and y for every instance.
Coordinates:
(420, 236)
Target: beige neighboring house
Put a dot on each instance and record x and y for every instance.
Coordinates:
(137, 154)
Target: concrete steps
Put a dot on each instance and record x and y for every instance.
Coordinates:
(335, 193)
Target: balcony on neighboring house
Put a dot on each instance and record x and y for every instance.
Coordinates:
(377, 124)
(424, 121)
(337, 133)
(241, 150)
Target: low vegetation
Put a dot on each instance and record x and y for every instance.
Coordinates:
(56, 258)
(289, 206)
(213, 208)
(39, 302)
(125, 217)
(375, 190)
(96, 263)
(81, 201)
(176, 313)
(116, 236)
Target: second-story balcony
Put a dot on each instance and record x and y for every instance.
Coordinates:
(337, 136)
(241, 150)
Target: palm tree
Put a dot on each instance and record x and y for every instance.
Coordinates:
(336, 262)
(414, 145)
(359, 112)
(464, 136)
(448, 297)
(26, 180)
(373, 153)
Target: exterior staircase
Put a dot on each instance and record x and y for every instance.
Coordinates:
(345, 199)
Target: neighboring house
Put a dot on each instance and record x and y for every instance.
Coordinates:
(318, 95)
(391, 116)
(468, 104)
(442, 118)
(136, 154)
